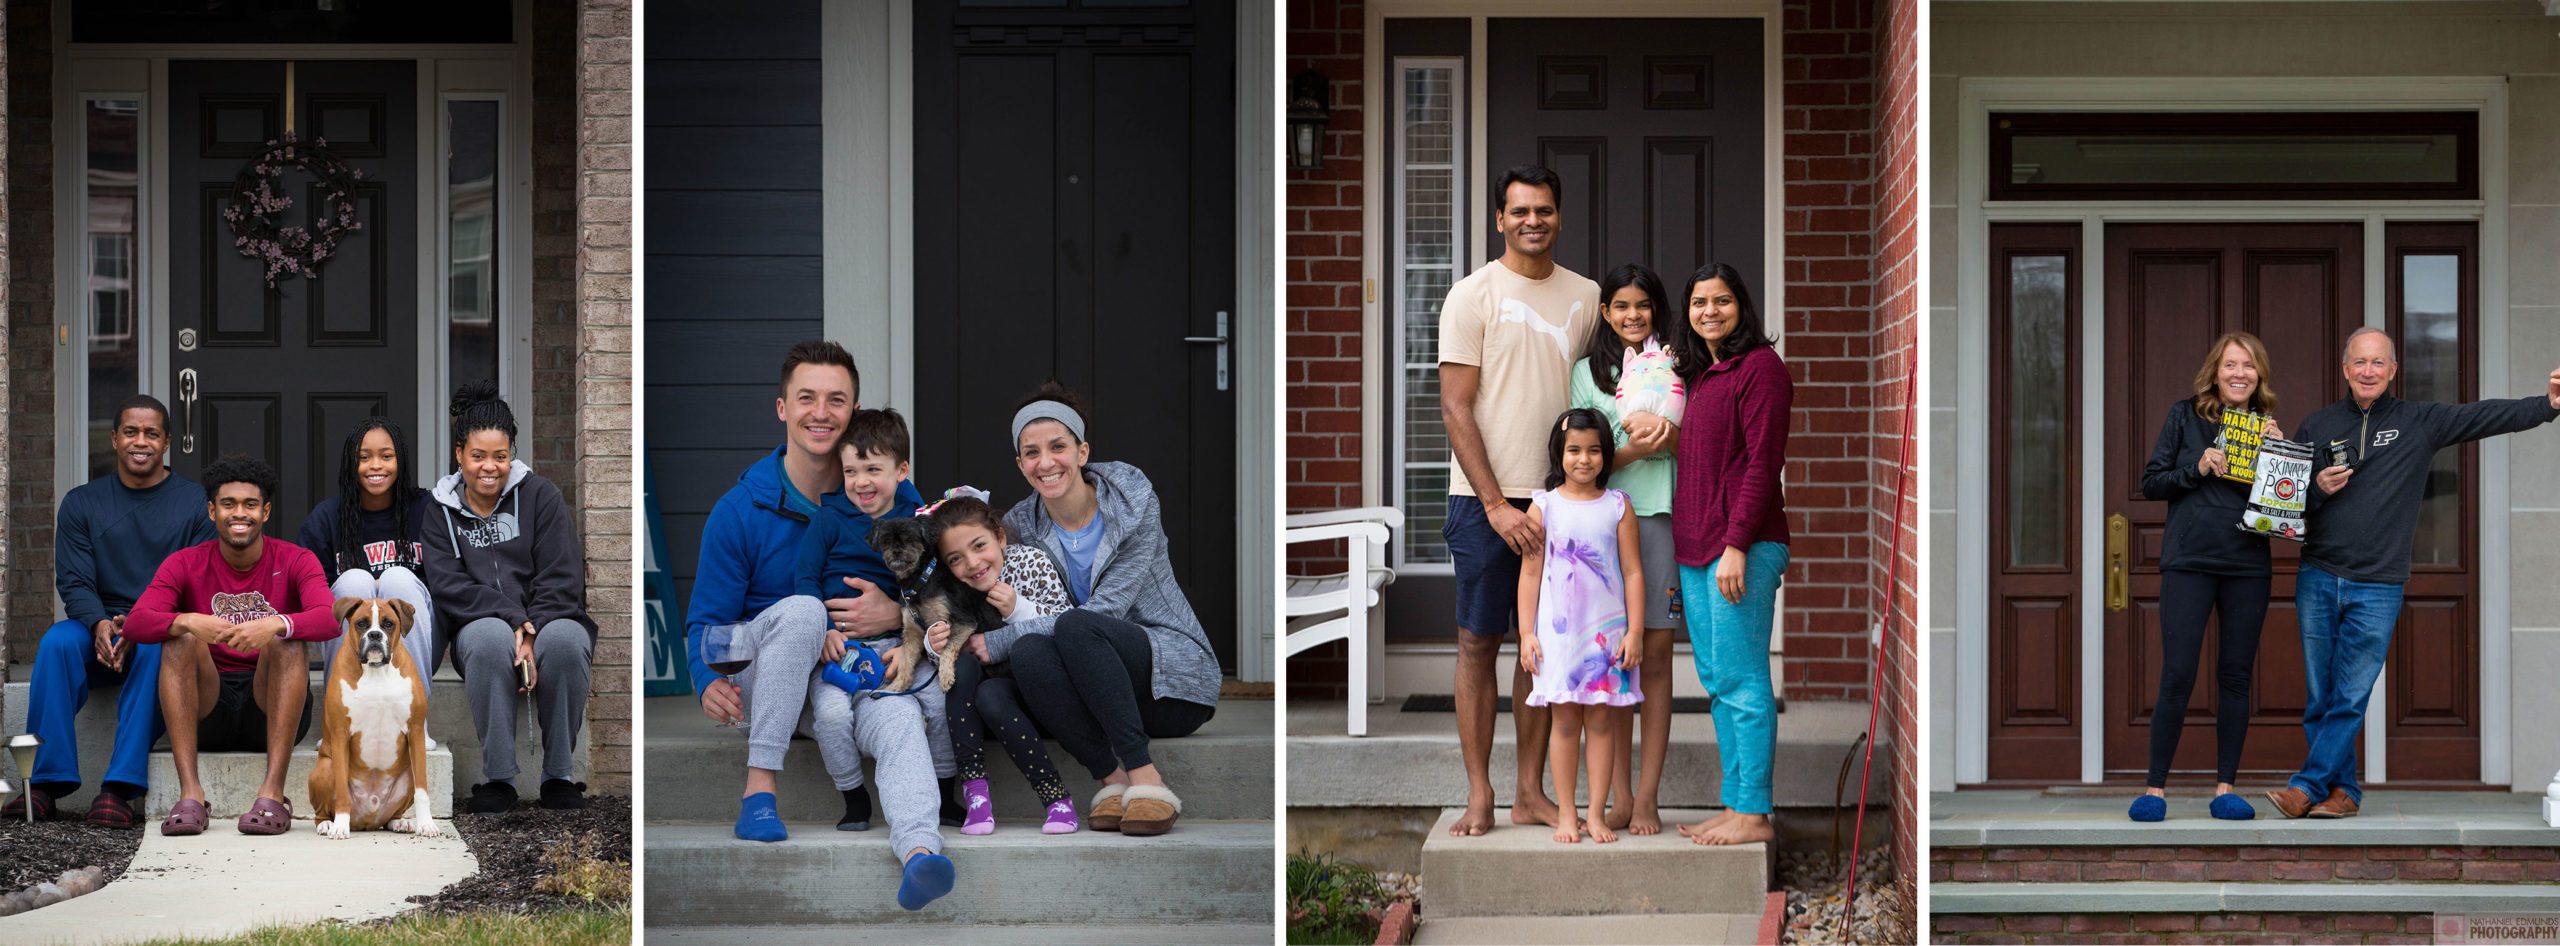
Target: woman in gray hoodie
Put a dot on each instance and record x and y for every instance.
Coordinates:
(506, 569)
(1129, 662)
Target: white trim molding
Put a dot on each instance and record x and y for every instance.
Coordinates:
(867, 160)
(1256, 330)
(1977, 99)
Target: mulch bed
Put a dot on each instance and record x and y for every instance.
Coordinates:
(40, 852)
(510, 848)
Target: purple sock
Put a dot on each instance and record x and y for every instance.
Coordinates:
(982, 813)
(1062, 817)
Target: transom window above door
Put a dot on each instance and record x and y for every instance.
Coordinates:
(2235, 155)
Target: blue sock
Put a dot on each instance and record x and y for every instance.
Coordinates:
(757, 821)
(928, 877)
(2232, 807)
(2148, 808)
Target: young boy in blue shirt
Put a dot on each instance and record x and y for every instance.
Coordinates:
(836, 546)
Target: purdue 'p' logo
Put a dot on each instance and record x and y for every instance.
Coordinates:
(2383, 438)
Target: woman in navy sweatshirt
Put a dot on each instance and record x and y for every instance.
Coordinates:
(2208, 563)
(509, 574)
(369, 536)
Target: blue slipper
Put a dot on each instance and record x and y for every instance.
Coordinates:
(757, 821)
(2148, 808)
(2232, 807)
(928, 877)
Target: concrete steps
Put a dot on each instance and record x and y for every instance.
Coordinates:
(1520, 870)
(1209, 877)
(448, 721)
(1702, 929)
(1413, 759)
(1189, 934)
(1222, 772)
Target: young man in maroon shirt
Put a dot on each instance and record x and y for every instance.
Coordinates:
(234, 614)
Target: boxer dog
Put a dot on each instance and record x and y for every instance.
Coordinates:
(372, 771)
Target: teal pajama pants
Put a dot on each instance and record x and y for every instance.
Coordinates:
(1731, 645)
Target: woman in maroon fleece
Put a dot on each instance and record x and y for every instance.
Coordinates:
(1729, 533)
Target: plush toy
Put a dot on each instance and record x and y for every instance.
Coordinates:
(1647, 383)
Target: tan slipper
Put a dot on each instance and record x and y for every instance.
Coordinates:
(1151, 810)
(1106, 811)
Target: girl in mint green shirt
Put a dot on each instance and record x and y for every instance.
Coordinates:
(1629, 299)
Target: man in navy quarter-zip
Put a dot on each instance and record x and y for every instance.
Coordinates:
(2374, 451)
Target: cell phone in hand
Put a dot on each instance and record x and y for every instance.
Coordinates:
(524, 675)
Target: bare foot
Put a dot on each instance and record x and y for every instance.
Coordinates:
(1569, 831)
(1619, 816)
(1741, 829)
(1646, 820)
(1710, 824)
(1478, 818)
(1529, 805)
(1600, 830)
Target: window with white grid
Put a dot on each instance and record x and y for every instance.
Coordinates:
(1429, 125)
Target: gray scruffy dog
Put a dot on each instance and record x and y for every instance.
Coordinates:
(906, 544)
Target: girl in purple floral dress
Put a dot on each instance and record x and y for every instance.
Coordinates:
(1574, 601)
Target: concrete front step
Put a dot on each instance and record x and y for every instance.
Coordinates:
(2148, 897)
(1702, 929)
(448, 722)
(2027, 818)
(1413, 760)
(1222, 772)
(231, 782)
(1216, 873)
(1188, 934)
(1520, 870)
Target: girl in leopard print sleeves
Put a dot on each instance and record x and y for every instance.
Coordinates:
(1009, 582)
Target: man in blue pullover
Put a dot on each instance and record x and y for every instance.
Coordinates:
(110, 535)
(2373, 451)
(744, 583)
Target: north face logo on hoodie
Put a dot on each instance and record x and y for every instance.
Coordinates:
(491, 531)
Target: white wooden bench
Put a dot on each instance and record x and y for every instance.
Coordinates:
(1346, 599)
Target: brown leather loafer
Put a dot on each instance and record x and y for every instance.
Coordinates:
(2338, 805)
(2290, 802)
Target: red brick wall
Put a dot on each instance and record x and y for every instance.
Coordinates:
(1324, 373)
(1829, 169)
(2184, 928)
(1896, 499)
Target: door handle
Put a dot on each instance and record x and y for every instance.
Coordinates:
(187, 401)
(2118, 592)
(1219, 340)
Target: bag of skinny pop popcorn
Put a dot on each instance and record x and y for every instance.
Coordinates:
(2278, 496)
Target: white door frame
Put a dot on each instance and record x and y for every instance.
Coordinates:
(1976, 212)
(1428, 671)
(867, 141)
(445, 72)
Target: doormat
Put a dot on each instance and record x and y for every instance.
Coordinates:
(1446, 703)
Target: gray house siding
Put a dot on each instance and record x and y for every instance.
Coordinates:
(733, 245)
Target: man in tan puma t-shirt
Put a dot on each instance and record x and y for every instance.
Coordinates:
(1509, 333)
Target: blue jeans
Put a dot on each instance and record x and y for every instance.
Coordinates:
(2346, 631)
(1730, 643)
(66, 669)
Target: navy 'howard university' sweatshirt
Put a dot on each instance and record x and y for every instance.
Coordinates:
(109, 538)
(2362, 532)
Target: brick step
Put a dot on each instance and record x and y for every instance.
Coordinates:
(1520, 870)
(696, 768)
(2238, 928)
(2099, 899)
(1211, 873)
(448, 722)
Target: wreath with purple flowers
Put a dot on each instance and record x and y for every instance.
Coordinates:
(256, 208)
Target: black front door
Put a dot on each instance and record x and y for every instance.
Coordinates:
(1075, 218)
(283, 374)
(1655, 127)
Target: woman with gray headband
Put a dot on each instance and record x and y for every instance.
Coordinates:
(1130, 662)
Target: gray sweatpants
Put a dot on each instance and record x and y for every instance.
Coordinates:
(891, 730)
(774, 690)
(562, 651)
(832, 724)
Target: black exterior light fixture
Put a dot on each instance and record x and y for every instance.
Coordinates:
(1310, 109)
